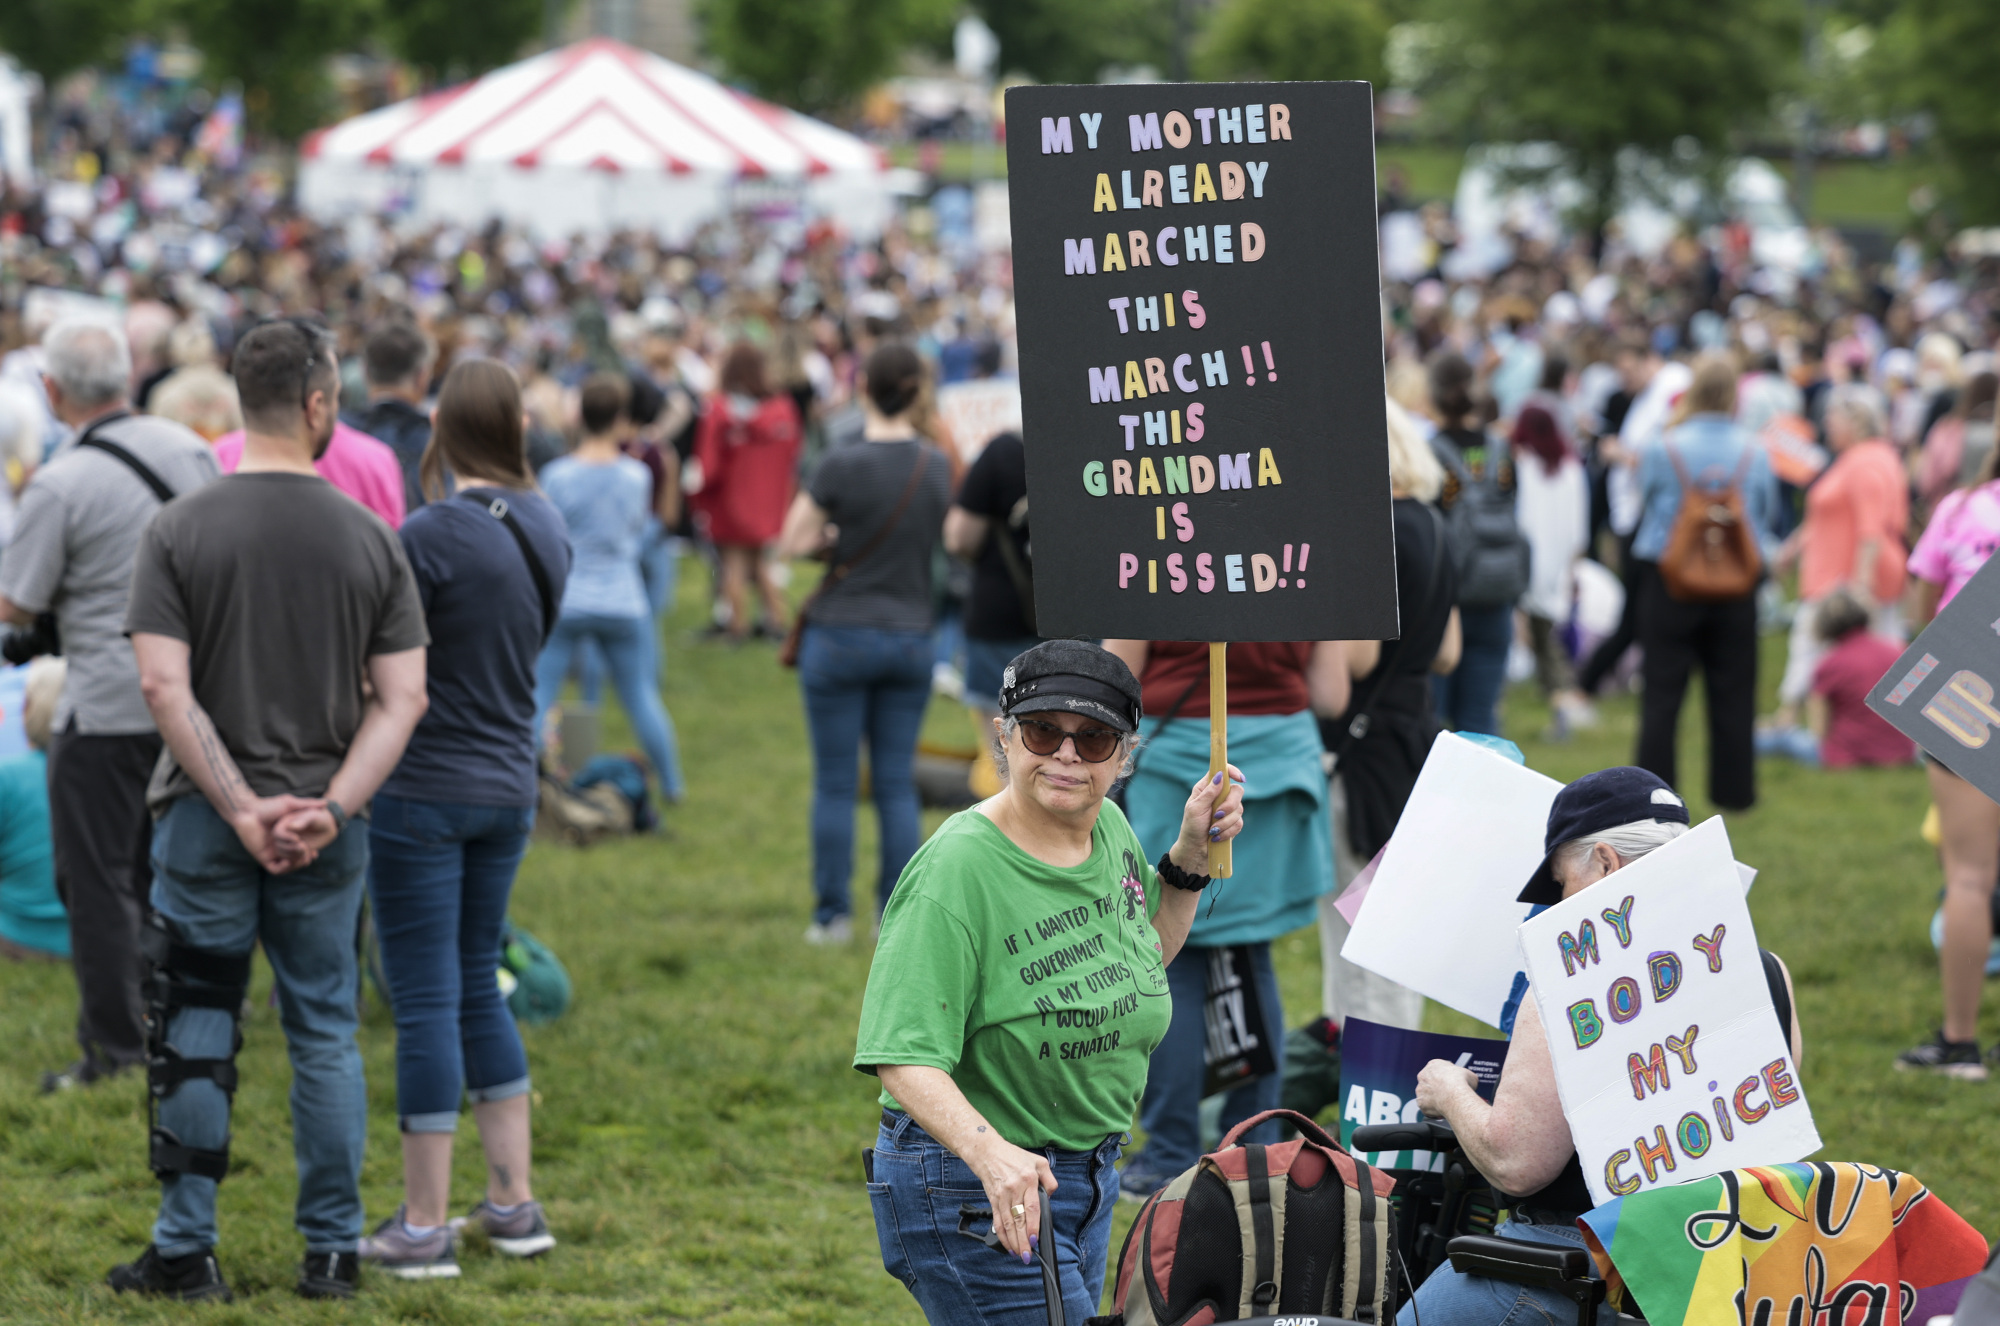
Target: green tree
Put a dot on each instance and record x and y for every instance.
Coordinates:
(277, 49)
(818, 54)
(1595, 77)
(1937, 55)
(456, 38)
(1072, 41)
(1296, 39)
(52, 37)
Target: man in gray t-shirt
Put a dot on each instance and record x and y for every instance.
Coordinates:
(78, 527)
(280, 641)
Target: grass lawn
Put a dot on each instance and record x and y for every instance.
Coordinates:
(697, 1125)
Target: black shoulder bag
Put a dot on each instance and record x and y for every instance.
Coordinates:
(1357, 727)
(498, 509)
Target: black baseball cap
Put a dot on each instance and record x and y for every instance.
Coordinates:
(1074, 676)
(1594, 803)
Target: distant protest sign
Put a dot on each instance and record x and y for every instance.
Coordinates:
(1378, 1079)
(977, 412)
(1940, 694)
(1441, 913)
(1198, 305)
(1667, 1051)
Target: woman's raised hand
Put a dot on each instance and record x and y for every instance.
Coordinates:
(1214, 814)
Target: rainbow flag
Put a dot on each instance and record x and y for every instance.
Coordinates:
(1809, 1242)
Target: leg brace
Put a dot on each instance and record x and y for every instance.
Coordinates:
(183, 976)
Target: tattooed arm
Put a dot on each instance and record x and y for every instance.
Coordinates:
(190, 734)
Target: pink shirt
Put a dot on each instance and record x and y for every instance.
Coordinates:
(361, 466)
(1964, 531)
(1863, 495)
(1856, 734)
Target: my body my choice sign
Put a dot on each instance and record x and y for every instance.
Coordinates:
(1666, 1047)
(1197, 297)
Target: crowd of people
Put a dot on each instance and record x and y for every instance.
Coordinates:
(1603, 469)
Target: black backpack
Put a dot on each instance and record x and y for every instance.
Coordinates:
(1488, 548)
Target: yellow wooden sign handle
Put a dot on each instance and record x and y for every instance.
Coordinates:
(1219, 854)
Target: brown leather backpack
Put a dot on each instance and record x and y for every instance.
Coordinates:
(1712, 553)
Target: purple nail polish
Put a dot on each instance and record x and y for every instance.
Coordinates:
(1218, 780)
(1026, 1260)
(1035, 1242)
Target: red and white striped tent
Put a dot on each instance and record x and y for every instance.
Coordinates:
(591, 137)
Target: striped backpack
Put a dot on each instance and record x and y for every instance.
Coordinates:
(1251, 1231)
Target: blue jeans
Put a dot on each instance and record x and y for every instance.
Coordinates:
(1448, 1298)
(986, 663)
(627, 644)
(1468, 699)
(1170, 1111)
(861, 682)
(917, 1191)
(659, 568)
(220, 899)
(439, 874)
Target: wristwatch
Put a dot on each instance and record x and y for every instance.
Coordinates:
(339, 813)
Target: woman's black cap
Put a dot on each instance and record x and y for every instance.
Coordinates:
(1594, 803)
(1075, 676)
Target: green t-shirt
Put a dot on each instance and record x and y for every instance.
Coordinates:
(1039, 988)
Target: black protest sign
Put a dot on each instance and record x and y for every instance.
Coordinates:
(1198, 302)
(1236, 1049)
(1940, 694)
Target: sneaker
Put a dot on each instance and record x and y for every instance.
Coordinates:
(522, 1232)
(191, 1279)
(394, 1249)
(1959, 1059)
(840, 930)
(328, 1275)
(1137, 1182)
(83, 1073)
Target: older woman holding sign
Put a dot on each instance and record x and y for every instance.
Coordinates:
(1521, 1142)
(1018, 988)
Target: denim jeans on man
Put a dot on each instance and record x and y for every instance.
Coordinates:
(862, 682)
(218, 898)
(917, 1191)
(627, 645)
(439, 875)
(1448, 1298)
(1171, 1108)
(1468, 698)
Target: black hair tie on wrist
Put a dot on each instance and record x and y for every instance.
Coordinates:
(1172, 874)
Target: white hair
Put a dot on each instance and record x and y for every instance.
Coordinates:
(46, 675)
(90, 360)
(1630, 841)
(1862, 404)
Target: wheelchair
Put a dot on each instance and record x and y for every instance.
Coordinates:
(1447, 1215)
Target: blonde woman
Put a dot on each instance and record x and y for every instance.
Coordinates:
(1380, 741)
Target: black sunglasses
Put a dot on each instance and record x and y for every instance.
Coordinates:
(1094, 745)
